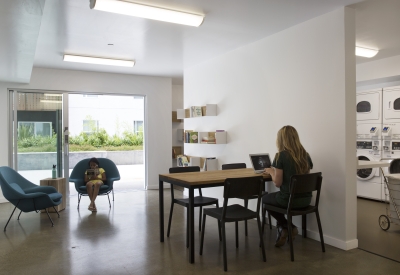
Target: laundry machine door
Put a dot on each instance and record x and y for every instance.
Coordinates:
(366, 173)
(369, 106)
(391, 104)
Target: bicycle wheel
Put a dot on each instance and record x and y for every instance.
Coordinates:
(384, 222)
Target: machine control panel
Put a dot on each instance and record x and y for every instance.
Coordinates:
(395, 145)
(386, 131)
(364, 145)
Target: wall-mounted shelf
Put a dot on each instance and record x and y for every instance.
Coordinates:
(206, 164)
(197, 111)
(176, 151)
(194, 137)
(175, 117)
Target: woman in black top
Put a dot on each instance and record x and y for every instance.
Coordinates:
(290, 160)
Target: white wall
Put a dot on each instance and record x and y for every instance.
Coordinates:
(177, 103)
(157, 91)
(304, 77)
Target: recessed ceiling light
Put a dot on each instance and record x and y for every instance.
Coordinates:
(50, 101)
(148, 12)
(366, 52)
(97, 60)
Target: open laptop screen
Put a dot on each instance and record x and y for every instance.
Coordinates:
(260, 161)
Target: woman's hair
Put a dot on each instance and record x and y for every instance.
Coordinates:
(288, 140)
(94, 160)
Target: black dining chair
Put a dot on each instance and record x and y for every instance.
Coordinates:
(235, 188)
(300, 184)
(199, 201)
(246, 200)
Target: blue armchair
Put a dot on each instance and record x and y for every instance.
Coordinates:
(25, 195)
(78, 174)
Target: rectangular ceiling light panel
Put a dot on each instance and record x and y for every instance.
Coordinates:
(97, 60)
(148, 12)
(365, 52)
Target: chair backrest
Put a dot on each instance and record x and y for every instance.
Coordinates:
(108, 165)
(305, 183)
(184, 169)
(243, 188)
(233, 166)
(394, 167)
(9, 175)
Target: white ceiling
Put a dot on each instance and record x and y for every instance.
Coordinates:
(38, 32)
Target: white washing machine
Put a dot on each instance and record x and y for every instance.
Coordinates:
(369, 142)
(390, 125)
(369, 181)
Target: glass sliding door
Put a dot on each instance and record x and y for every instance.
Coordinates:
(37, 134)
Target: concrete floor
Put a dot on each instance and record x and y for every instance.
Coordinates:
(125, 240)
(370, 236)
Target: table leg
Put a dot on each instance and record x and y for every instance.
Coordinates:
(161, 202)
(191, 225)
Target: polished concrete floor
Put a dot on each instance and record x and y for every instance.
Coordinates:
(125, 240)
(370, 236)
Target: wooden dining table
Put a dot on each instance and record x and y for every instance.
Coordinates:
(192, 181)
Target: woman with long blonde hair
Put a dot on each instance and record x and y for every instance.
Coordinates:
(291, 159)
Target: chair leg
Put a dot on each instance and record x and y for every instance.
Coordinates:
(201, 211)
(261, 239)
(224, 245)
(113, 194)
(56, 211)
(109, 202)
(246, 205)
(289, 220)
(202, 234)
(320, 231)
(269, 220)
(219, 226)
(47, 212)
(263, 211)
(187, 227)
(237, 234)
(19, 215)
(170, 218)
(11, 216)
(304, 226)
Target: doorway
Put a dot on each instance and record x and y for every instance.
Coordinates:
(60, 128)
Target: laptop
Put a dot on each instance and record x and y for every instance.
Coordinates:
(260, 162)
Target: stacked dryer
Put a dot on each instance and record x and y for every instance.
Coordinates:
(369, 143)
(391, 125)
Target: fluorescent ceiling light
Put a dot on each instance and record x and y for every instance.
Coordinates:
(365, 52)
(50, 101)
(149, 12)
(97, 60)
(52, 94)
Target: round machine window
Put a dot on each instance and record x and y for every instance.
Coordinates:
(363, 107)
(364, 173)
(394, 167)
(396, 104)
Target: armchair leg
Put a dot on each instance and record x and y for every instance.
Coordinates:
(113, 194)
(56, 211)
(237, 234)
(109, 202)
(10, 217)
(19, 215)
(79, 200)
(47, 212)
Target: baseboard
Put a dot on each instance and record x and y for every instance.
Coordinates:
(345, 245)
(155, 187)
